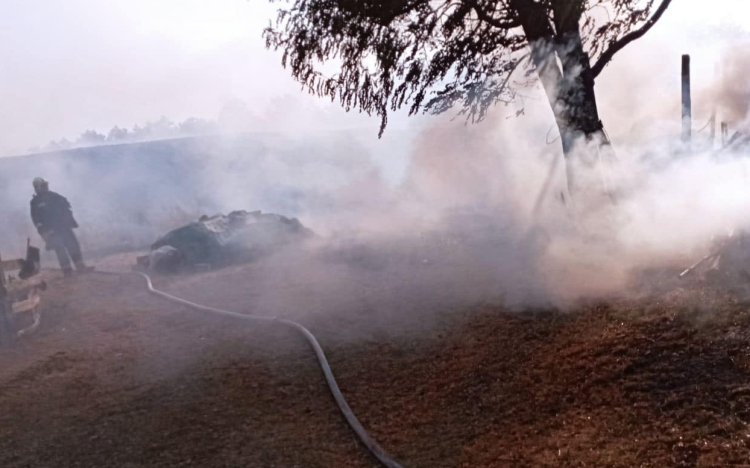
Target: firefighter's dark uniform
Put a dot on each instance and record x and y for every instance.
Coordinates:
(53, 218)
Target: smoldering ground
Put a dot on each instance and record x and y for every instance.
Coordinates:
(396, 260)
(462, 227)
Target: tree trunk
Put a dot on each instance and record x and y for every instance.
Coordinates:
(541, 38)
(577, 87)
(570, 91)
(580, 114)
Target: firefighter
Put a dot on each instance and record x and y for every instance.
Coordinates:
(53, 219)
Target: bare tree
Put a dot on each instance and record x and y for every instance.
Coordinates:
(434, 54)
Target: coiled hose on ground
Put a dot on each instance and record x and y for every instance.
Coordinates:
(371, 445)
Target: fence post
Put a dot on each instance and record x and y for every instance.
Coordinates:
(687, 106)
(5, 329)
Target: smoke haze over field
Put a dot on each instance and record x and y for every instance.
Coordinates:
(430, 184)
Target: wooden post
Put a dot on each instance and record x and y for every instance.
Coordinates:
(687, 106)
(5, 308)
(724, 133)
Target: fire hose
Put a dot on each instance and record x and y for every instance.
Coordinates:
(351, 419)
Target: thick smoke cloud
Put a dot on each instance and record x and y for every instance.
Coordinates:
(475, 212)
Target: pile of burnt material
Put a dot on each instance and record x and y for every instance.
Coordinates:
(220, 240)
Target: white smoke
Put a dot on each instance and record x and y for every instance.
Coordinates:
(478, 208)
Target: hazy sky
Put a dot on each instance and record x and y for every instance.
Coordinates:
(67, 66)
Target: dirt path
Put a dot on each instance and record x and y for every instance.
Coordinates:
(116, 377)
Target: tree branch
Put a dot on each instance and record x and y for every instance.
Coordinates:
(606, 57)
(491, 20)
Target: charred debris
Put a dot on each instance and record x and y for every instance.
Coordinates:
(219, 240)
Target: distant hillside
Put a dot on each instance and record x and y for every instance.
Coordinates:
(125, 195)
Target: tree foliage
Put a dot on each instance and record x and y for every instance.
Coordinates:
(434, 54)
(156, 130)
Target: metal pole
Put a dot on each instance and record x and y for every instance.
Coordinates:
(712, 136)
(687, 106)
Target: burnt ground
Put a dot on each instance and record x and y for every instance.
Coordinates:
(116, 377)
